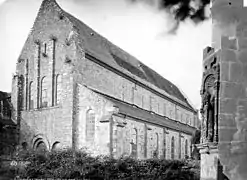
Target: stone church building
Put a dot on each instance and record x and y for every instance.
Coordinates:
(74, 88)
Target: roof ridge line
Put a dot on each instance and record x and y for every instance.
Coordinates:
(84, 35)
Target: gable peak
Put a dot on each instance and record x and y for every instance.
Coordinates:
(47, 1)
(49, 4)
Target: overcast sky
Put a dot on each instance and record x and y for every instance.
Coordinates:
(139, 29)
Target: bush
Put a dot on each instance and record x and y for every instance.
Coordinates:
(80, 165)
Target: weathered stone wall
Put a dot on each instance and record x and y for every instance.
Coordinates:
(233, 110)
(150, 138)
(229, 35)
(103, 109)
(154, 138)
(97, 76)
(209, 165)
(14, 99)
(55, 121)
(123, 136)
(52, 49)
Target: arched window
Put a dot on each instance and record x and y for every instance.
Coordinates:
(156, 152)
(172, 148)
(164, 142)
(58, 91)
(31, 95)
(90, 126)
(56, 146)
(21, 92)
(171, 113)
(178, 116)
(133, 95)
(164, 109)
(41, 147)
(44, 92)
(133, 143)
(186, 148)
(187, 120)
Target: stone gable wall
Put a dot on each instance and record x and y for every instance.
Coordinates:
(55, 122)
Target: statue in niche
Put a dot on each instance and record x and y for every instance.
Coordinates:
(208, 110)
(210, 117)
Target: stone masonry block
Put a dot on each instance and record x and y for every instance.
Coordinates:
(242, 43)
(236, 72)
(225, 148)
(228, 55)
(228, 105)
(244, 79)
(227, 43)
(242, 56)
(226, 120)
(241, 29)
(232, 90)
(225, 69)
(243, 103)
(226, 134)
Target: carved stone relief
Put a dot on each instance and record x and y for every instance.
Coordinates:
(209, 108)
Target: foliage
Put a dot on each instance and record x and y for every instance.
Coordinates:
(68, 164)
(196, 137)
(196, 140)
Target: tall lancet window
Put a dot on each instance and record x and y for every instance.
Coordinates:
(21, 92)
(58, 91)
(164, 109)
(44, 92)
(133, 143)
(31, 95)
(156, 152)
(90, 125)
(133, 95)
(172, 148)
(186, 148)
(164, 142)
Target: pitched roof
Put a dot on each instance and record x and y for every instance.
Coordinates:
(105, 51)
(4, 95)
(141, 114)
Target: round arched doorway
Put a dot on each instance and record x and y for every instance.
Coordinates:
(40, 146)
(56, 146)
